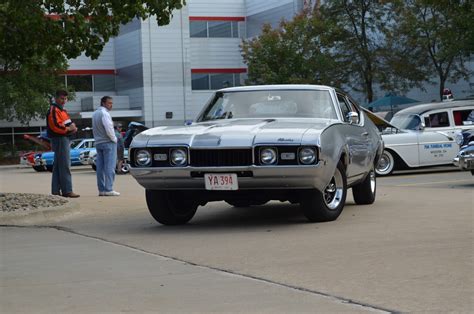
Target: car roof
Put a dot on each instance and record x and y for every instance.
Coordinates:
(422, 108)
(276, 87)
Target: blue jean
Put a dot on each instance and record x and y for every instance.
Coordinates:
(105, 162)
(61, 181)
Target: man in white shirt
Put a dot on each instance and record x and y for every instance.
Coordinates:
(106, 146)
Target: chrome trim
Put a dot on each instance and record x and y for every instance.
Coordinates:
(264, 177)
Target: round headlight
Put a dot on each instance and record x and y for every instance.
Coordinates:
(458, 138)
(307, 155)
(178, 157)
(143, 157)
(268, 156)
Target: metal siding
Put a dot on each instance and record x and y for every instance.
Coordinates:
(216, 53)
(258, 6)
(167, 79)
(272, 16)
(216, 8)
(106, 59)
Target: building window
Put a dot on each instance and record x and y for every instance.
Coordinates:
(200, 81)
(214, 29)
(213, 81)
(89, 83)
(80, 83)
(220, 29)
(198, 28)
(104, 82)
(222, 80)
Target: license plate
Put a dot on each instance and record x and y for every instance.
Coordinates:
(221, 181)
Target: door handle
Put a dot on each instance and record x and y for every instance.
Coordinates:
(365, 134)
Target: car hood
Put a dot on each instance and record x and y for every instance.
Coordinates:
(237, 133)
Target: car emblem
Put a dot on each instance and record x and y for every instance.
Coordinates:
(281, 139)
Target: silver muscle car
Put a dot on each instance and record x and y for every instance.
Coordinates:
(304, 144)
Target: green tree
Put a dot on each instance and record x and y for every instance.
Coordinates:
(37, 38)
(442, 32)
(292, 53)
(362, 27)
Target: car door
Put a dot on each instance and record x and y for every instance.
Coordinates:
(436, 142)
(357, 139)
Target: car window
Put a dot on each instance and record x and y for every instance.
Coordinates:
(345, 106)
(270, 104)
(437, 120)
(74, 143)
(407, 122)
(463, 117)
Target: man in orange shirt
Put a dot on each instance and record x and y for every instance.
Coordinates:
(59, 127)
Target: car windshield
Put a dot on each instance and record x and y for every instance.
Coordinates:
(406, 122)
(270, 104)
(74, 143)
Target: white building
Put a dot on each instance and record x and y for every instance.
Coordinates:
(164, 75)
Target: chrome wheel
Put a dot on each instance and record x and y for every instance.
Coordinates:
(386, 164)
(334, 191)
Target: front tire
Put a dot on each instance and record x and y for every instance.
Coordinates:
(327, 205)
(169, 207)
(386, 164)
(364, 192)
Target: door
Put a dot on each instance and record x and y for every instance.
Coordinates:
(358, 140)
(436, 148)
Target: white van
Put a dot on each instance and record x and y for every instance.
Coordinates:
(424, 135)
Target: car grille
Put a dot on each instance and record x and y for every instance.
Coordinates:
(220, 157)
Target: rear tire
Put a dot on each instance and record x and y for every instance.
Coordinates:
(49, 168)
(94, 167)
(327, 205)
(39, 168)
(169, 207)
(386, 164)
(364, 192)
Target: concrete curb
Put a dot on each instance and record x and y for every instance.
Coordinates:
(40, 215)
(15, 166)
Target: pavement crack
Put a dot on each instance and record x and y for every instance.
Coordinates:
(230, 272)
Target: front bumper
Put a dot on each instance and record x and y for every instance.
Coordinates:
(249, 177)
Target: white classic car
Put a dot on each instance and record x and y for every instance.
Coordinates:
(424, 135)
(305, 144)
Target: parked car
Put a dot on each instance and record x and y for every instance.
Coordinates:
(29, 158)
(424, 135)
(88, 157)
(77, 146)
(305, 144)
(465, 158)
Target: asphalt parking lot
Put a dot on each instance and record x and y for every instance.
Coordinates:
(411, 251)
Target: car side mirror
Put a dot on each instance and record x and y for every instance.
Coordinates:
(352, 117)
(421, 127)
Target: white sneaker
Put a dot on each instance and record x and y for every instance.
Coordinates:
(111, 193)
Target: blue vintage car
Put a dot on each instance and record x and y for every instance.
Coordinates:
(77, 146)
